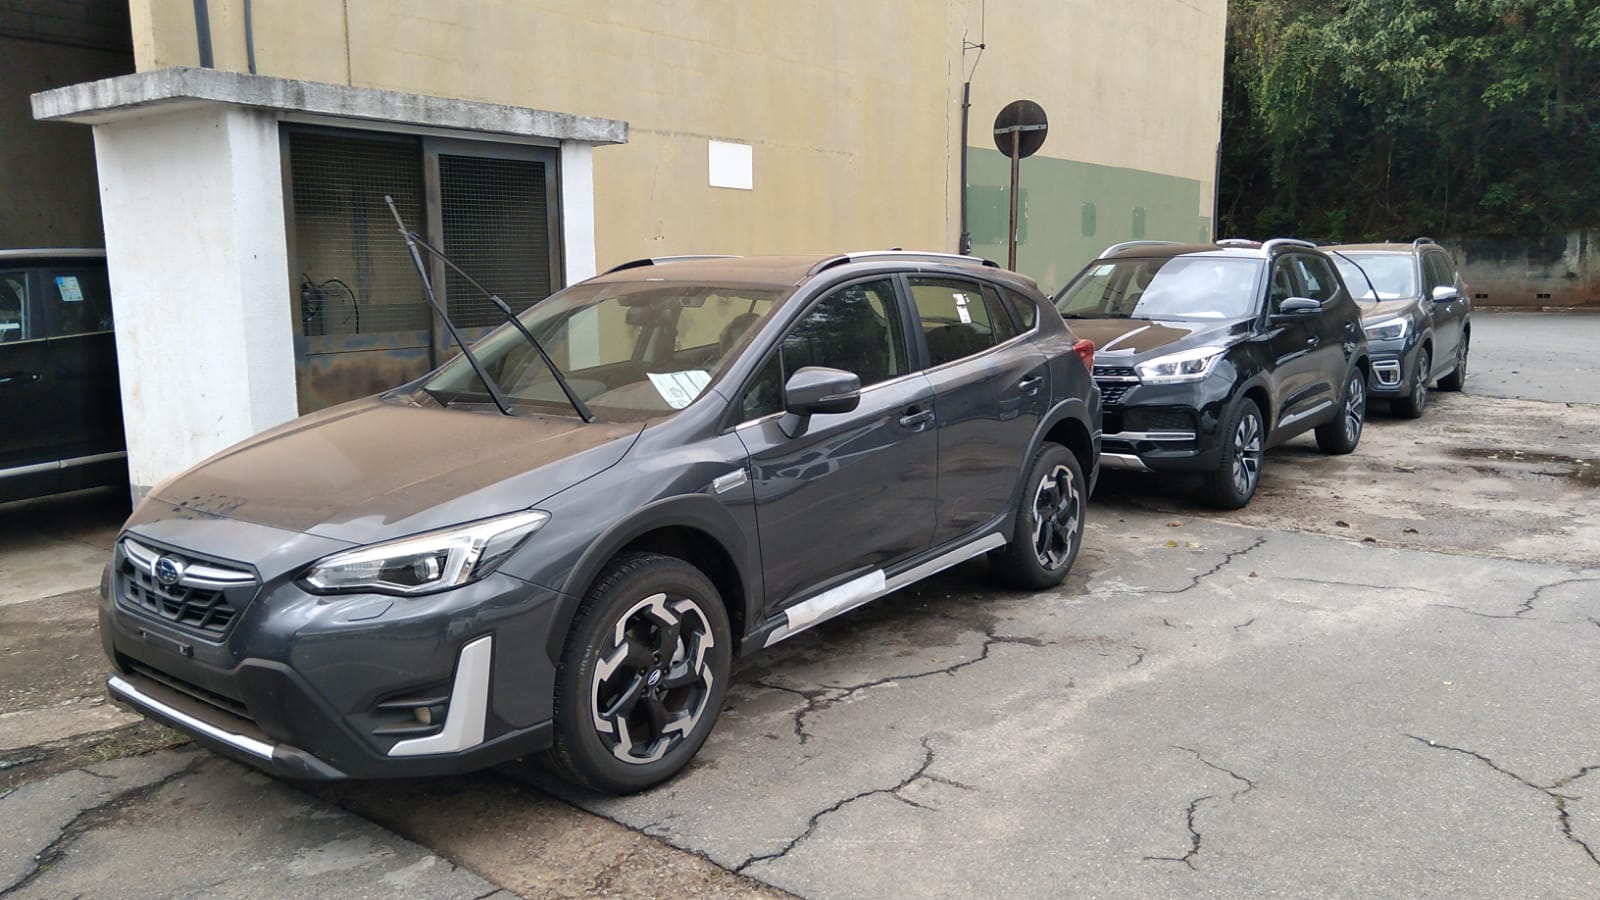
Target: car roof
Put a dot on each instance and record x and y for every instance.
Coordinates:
(52, 253)
(1385, 247)
(789, 271)
(1237, 248)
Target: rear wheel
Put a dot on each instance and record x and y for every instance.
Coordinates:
(642, 677)
(1049, 527)
(1457, 379)
(1411, 405)
(1344, 432)
(1233, 482)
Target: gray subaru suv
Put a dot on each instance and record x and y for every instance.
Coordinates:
(559, 541)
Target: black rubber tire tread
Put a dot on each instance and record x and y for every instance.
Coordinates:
(1219, 490)
(1331, 438)
(575, 753)
(1015, 565)
(1457, 379)
(1407, 407)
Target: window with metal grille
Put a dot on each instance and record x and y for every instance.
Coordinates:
(496, 221)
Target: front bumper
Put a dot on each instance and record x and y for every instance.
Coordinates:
(1161, 428)
(1393, 369)
(330, 687)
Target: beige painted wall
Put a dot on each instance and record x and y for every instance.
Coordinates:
(852, 107)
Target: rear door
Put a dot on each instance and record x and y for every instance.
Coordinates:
(1438, 271)
(83, 371)
(990, 386)
(30, 425)
(855, 492)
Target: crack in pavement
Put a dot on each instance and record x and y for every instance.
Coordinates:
(1245, 624)
(817, 817)
(1142, 650)
(1194, 806)
(69, 832)
(1248, 784)
(1526, 606)
(819, 699)
(1194, 838)
(1548, 791)
(1228, 558)
(1360, 584)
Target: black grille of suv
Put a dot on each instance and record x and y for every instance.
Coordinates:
(1114, 381)
(1111, 392)
(204, 599)
(1114, 372)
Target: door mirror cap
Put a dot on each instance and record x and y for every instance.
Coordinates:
(1444, 293)
(1295, 307)
(817, 390)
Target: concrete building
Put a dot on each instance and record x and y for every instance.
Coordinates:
(257, 274)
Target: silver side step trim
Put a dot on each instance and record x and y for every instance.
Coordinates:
(1290, 420)
(1126, 462)
(860, 591)
(469, 706)
(1149, 436)
(239, 742)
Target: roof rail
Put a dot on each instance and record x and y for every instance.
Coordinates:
(908, 255)
(1275, 243)
(1238, 242)
(1118, 248)
(662, 260)
(1423, 240)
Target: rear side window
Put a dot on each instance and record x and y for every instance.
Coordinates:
(955, 318)
(1438, 270)
(16, 322)
(1317, 276)
(1025, 311)
(77, 300)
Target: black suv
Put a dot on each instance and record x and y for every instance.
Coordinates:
(523, 552)
(1417, 313)
(1209, 354)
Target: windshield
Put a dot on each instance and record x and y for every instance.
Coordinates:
(1176, 287)
(1393, 274)
(631, 350)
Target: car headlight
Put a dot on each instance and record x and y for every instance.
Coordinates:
(423, 563)
(1387, 330)
(1188, 365)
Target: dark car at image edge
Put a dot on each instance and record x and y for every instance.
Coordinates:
(1208, 355)
(774, 442)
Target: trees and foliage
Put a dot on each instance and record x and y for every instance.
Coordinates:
(1370, 119)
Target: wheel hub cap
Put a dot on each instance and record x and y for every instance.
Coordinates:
(1056, 517)
(650, 687)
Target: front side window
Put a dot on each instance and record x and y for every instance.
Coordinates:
(957, 319)
(1317, 277)
(15, 316)
(77, 300)
(1394, 275)
(1178, 287)
(631, 350)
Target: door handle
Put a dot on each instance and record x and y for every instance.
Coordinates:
(1313, 341)
(915, 418)
(9, 377)
(1030, 385)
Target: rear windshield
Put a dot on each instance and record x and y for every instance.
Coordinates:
(1175, 287)
(1393, 274)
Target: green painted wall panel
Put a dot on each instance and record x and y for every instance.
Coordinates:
(1053, 243)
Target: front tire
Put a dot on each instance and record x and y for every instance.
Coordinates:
(1049, 527)
(1233, 482)
(1457, 379)
(1412, 404)
(1344, 432)
(642, 677)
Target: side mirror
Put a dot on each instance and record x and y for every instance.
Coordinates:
(1444, 293)
(1296, 307)
(816, 390)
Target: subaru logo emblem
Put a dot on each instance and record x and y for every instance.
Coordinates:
(168, 570)
(654, 678)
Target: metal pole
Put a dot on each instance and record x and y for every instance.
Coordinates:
(202, 32)
(964, 243)
(1016, 165)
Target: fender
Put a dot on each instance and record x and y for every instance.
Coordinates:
(1074, 409)
(697, 511)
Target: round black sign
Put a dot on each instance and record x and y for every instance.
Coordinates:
(1025, 119)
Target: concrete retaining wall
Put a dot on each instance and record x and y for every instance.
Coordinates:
(1554, 270)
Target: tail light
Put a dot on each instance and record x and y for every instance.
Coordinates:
(1085, 350)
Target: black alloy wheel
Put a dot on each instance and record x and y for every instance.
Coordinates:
(1344, 432)
(1238, 472)
(643, 676)
(1049, 527)
(1413, 403)
(1457, 379)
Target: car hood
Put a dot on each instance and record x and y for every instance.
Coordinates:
(1385, 309)
(1128, 341)
(372, 470)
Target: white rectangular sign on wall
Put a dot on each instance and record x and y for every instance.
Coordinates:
(732, 165)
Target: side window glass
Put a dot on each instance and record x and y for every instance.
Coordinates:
(1025, 311)
(1282, 286)
(14, 313)
(856, 328)
(79, 298)
(765, 395)
(1438, 271)
(955, 318)
(1317, 277)
(1004, 328)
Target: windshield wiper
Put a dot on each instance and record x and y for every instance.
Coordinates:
(495, 393)
(414, 239)
(1370, 286)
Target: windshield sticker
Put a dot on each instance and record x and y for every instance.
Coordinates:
(70, 291)
(680, 388)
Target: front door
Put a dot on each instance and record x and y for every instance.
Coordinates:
(31, 426)
(855, 492)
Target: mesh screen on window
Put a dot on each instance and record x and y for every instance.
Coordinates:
(497, 227)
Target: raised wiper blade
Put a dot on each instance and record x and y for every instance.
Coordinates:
(498, 395)
(505, 310)
(1359, 268)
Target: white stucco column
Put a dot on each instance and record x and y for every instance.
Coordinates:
(577, 210)
(195, 243)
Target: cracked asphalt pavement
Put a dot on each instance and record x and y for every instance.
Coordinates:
(1377, 680)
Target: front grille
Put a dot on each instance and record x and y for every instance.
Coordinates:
(1114, 372)
(1111, 392)
(1160, 419)
(205, 599)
